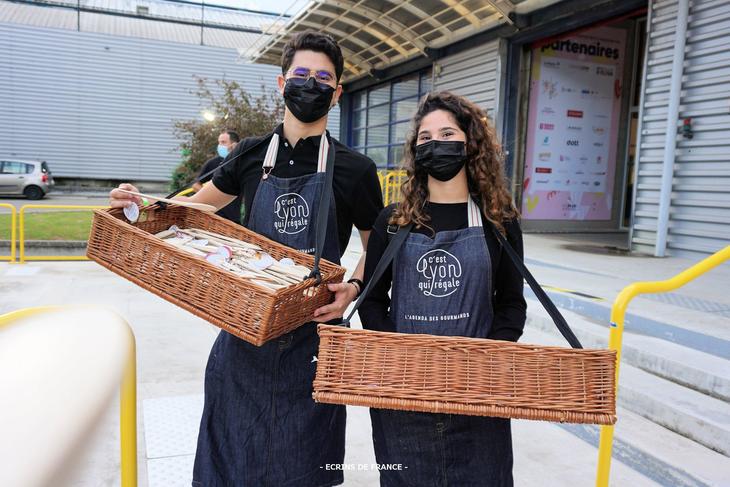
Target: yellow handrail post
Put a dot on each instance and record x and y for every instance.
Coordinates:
(128, 418)
(21, 226)
(13, 234)
(618, 314)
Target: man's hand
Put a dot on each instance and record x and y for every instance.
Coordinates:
(118, 199)
(345, 293)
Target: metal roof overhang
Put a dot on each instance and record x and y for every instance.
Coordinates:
(374, 34)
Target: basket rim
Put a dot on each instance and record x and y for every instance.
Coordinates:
(305, 284)
(323, 328)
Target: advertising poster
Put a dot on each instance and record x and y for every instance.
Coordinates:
(573, 121)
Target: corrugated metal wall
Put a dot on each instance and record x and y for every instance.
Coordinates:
(474, 73)
(102, 107)
(700, 208)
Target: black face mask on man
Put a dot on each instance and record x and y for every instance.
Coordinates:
(308, 100)
(441, 159)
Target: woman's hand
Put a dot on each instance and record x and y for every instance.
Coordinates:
(118, 199)
(345, 293)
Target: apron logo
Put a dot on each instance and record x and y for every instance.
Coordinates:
(440, 273)
(292, 212)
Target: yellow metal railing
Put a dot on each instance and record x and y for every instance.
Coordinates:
(390, 182)
(13, 223)
(21, 225)
(186, 192)
(127, 399)
(618, 314)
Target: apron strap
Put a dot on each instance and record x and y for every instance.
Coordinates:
(393, 247)
(475, 214)
(328, 153)
(542, 296)
(271, 152)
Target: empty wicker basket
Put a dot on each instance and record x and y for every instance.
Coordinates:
(230, 302)
(472, 376)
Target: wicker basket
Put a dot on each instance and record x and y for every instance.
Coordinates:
(439, 374)
(244, 309)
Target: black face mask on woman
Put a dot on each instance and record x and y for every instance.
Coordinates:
(441, 159)
(307, 99)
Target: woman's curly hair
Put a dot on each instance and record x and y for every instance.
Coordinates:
(484, 164)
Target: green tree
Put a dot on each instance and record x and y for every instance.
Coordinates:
(234, 109)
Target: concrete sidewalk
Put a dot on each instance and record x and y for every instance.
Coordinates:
(173, 347)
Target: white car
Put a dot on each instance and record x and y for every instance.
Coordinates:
(31, 179)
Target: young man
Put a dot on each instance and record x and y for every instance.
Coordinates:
(227, 141)
(260, 426)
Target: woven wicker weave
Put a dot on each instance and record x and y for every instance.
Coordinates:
(230, 302)
(456, 375)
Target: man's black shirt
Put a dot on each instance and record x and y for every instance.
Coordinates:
(356, 188)
(233, 210)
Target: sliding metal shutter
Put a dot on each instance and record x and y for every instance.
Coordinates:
(101, 106)
(474, 74)
(699, 221)
(699, 218)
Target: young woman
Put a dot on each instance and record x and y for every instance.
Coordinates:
(451, 277)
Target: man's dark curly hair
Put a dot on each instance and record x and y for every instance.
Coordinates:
(313, 41)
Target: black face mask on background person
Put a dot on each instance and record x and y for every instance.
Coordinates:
(307, 99)
(441, 159)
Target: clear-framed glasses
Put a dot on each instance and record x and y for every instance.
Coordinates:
(300, 75)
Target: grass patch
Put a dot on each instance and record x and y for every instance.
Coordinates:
(51, 225)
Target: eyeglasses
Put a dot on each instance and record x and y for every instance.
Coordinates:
(320, 76)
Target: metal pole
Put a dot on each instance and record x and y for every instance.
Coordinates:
(128, 416)
(78, 15)
(202, 21)
(670, 140)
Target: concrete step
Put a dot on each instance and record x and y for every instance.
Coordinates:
(703, 372)
(699, 417)
(660, 455)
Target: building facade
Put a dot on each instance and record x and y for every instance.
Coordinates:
(614, 116)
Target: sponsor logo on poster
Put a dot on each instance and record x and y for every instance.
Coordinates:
(550, 88)
(543, 170)
(596, 183)
(574, 128)
(580, 67)
(547, 126)
(599, 130)
(567, 89)
(544, 156)
(291, 212)
(546, 140)
(552, 64)
(572, 142)
(598, 144)
(440, 273)
(599, 159)
(575, 113)
(547, 111)
(604, 71)
(564, 158)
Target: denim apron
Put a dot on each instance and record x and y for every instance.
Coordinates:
(443, 286)
(260, 425)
